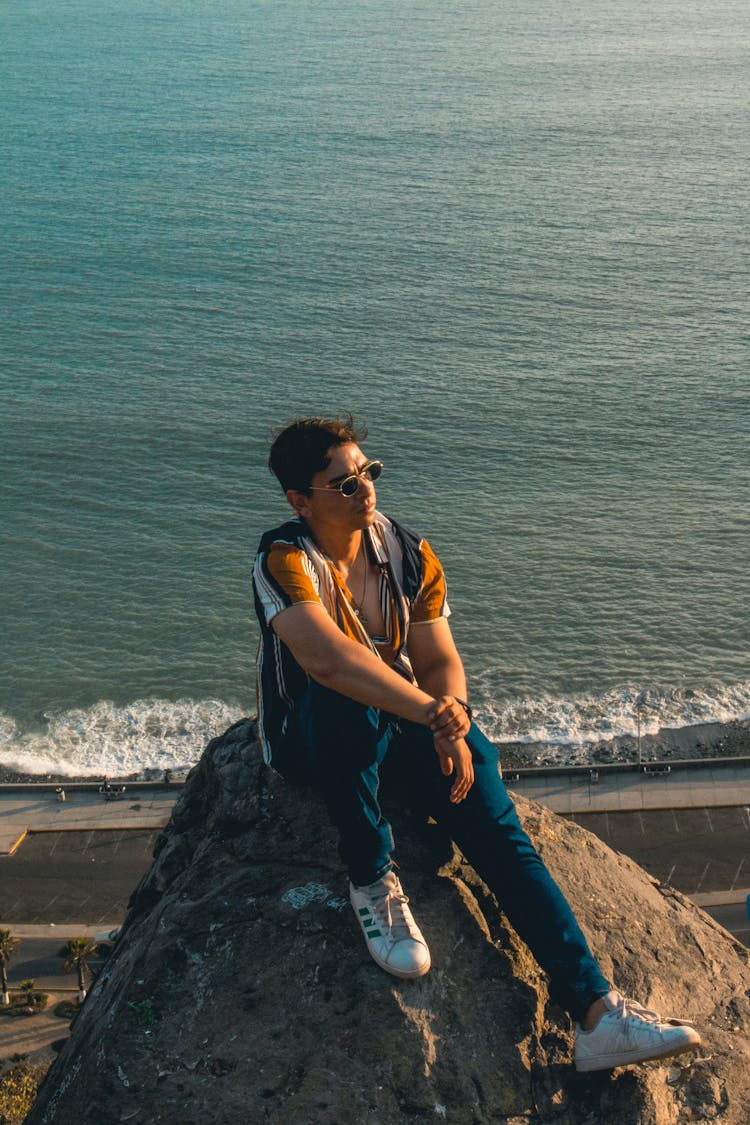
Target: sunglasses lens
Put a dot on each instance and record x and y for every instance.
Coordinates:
(349, 486)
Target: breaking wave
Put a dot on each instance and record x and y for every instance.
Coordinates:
(118, 741)
(612, 714)
(157, 734)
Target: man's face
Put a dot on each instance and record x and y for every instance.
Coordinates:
(327, 506)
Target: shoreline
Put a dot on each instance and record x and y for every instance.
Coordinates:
(700, 741)
(690, 743)
(10, 776)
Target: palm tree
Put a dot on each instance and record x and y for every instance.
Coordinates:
(76, 954)
(8, 945)
(26, 988)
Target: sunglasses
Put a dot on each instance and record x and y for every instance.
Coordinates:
(350, 485)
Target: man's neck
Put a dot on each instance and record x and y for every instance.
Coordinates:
(342, 548)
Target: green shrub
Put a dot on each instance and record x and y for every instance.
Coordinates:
(25, 1004)
(67, 1009)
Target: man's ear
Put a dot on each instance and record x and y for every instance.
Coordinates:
(298, 501)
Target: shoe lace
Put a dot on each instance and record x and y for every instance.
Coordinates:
(625, 1008)
(392, 913)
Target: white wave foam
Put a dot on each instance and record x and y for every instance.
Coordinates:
(592, 718)
(117, 741)
(159, 734)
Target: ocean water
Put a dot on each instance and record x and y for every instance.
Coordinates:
(513, 239)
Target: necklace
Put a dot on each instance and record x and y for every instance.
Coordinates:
(359, 605)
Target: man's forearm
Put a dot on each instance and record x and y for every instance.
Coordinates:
(351, 669)
(359, 674)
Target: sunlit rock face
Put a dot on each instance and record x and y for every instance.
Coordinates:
(241, 991)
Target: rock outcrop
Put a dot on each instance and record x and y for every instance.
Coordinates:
(241, 992)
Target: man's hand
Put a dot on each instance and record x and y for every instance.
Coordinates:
(448, 719)
(455, 755)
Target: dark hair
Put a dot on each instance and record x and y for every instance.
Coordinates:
(303, 447)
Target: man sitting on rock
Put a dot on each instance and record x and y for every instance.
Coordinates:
(357, 662)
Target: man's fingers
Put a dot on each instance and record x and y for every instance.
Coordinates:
(464, 780)
(460, 728)
(463, 783)
(454, 754)
(443, 721)
(449, 719)
(446, 763)
(460, 790)
(438, 707)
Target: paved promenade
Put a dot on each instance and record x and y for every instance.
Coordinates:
(25, 809)
(616, 790)
(35, 808)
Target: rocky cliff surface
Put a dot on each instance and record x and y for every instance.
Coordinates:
(241, 992)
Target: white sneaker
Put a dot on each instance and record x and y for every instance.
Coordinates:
(628, 1033)
(392, 936)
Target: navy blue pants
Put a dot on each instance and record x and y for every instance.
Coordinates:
(339, 746)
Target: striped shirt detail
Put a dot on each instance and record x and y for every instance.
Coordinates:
(431, 601)
(290, 569)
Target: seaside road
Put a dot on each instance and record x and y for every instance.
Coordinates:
(36, 809)
(733, 917)
(85, 877)
(696, 851)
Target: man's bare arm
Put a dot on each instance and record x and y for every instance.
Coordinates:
(339, 663)
(434, 657)
(439, 670)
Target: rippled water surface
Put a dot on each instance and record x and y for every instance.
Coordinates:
(513, 240)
